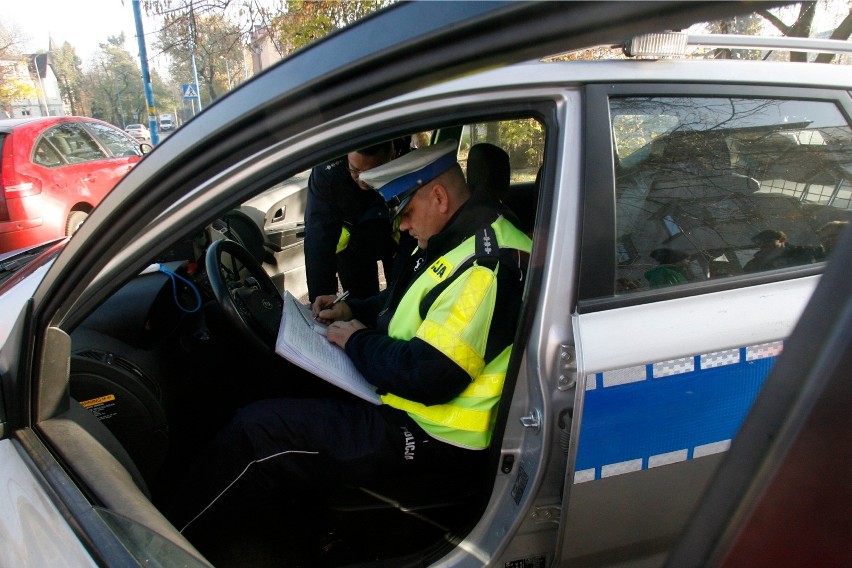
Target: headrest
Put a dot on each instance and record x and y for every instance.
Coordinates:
(488, 170)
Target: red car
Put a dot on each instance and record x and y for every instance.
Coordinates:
(55, 170)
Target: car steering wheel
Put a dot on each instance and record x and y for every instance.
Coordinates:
(246, 293)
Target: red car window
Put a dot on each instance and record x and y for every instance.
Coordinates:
(46, 155)
(74, 143)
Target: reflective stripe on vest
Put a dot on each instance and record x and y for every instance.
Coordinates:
(343, 241)
(468, 419)
(459, 328)
(457, 324)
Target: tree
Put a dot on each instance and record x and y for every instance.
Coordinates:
(306, 21)
(747, 24)
(220, 51)
(12, 87)
(841, 32)
(68, 69)
(215, 42)
(165, 93)
(115, 85)
(15, 89)
(801, 27)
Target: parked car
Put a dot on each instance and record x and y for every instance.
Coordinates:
(55, 170)
(138, 131)
(643, 339)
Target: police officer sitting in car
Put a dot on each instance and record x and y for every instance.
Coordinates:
(436, 344)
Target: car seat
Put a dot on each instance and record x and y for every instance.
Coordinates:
(488, 170)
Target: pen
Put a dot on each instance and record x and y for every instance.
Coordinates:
(338, 299)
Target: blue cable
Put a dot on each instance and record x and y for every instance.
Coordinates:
(191, 286)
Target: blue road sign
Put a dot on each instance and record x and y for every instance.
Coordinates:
(190, 91)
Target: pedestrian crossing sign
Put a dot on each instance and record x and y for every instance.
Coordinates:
(190, 91)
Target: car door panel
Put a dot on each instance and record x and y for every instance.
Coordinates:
(663, 330)
(653, 506)
(35, 531)
(281, 210)
(668, 372)
(101, 176)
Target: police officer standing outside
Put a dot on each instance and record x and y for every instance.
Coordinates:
(436, 344)
(347, 229)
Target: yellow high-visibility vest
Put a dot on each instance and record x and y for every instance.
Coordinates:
(457, 325)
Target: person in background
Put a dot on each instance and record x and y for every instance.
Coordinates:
(671, 270)
(776, 252)
(347, 227)
(420, 139)
(829, 235)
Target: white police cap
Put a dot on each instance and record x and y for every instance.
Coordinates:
(397, 180)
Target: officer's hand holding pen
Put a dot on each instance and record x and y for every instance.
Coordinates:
(327, 309)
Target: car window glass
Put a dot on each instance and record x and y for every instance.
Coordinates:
(46, 155)
(117, 142)
(714, 187)
(74, 143)
(504, 158)
(522, 140)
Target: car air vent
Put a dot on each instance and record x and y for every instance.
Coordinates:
(121, 362)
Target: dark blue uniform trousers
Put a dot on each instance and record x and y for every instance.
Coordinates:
(285, 454)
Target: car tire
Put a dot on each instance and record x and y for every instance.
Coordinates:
(75, 219)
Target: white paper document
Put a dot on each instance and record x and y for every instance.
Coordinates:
(301, 340)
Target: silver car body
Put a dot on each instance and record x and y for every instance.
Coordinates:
(556, 500)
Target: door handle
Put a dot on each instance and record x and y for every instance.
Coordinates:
(279, 215)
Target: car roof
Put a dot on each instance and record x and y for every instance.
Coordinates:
(634, 70)
(13, 122)
(9, 124)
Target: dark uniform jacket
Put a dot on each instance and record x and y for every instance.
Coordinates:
(781, 257)
(335, 201)
(414, 369)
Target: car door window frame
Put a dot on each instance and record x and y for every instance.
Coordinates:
(598, 257)
(352, 132)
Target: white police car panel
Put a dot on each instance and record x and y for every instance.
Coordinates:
(680, 327)
(34, 532)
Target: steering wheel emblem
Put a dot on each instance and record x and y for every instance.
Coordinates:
(266, 304)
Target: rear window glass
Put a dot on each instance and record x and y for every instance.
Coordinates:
(117, 142)
(714, 187)
(46, 155)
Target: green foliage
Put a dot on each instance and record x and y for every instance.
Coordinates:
(114, 84)
(306, 21)
(13, 89)
(523, 140)
(216, 43)
(69, 73)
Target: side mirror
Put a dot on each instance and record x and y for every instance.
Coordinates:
(145, 148)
